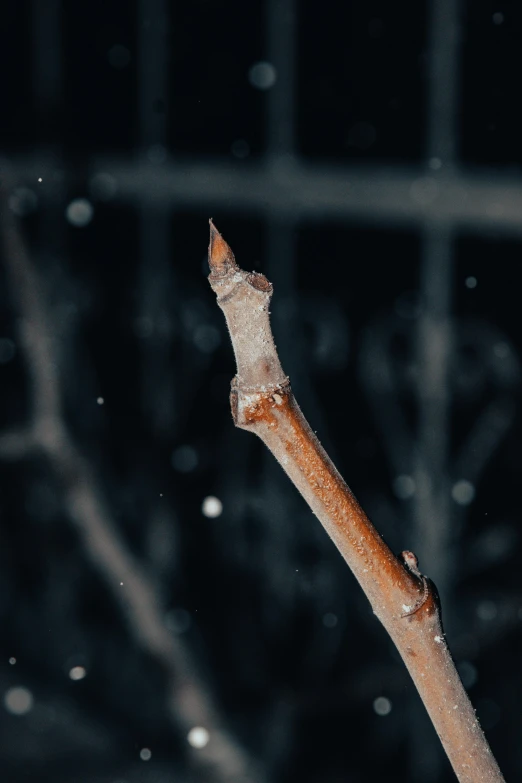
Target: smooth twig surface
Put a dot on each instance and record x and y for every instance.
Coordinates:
(402, 598)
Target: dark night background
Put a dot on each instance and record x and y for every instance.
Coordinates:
(366, 156)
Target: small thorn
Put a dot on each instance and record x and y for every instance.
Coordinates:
(220, 256)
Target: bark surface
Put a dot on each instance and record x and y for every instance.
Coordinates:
(402, 598)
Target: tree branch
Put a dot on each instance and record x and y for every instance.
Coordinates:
(188, 700)
(402, 598)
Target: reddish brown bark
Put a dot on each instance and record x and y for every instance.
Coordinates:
(404, 601)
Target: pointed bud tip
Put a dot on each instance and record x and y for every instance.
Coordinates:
(220, 256)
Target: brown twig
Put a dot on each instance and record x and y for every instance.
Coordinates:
(402, 598)
(189, 704)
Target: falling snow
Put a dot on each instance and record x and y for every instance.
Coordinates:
(79, 212)
(262, 75)
(23, 201)
(178, 620)
(212, 507)
(240, 149)
(330, 620)
(404, 487)
(486, 610)
(77, 673)
(382, 706)
(157, 154)
(198, 737)
(463, 492)
(18, 700)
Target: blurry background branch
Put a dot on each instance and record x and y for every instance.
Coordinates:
(188, 701)
(399, 195)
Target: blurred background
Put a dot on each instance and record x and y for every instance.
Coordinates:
(171, 611)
